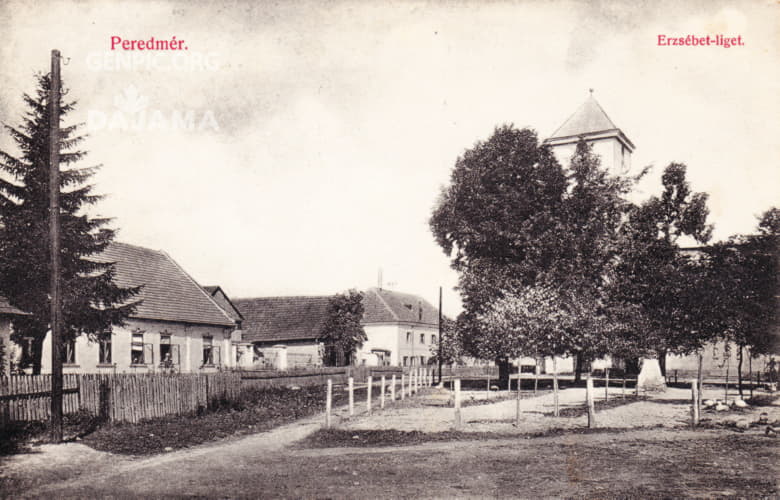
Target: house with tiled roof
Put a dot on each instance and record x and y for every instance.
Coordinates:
(591, 123)
(177, 325)
(7, 315)
(400, 327)
(288, 328)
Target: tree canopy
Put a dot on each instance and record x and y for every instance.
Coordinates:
(343, 331)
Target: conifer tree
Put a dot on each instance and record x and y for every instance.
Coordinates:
(91, 301)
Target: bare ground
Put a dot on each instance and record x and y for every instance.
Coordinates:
(645, 460)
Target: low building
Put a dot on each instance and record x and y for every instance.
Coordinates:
(177, 326)
(285, 331)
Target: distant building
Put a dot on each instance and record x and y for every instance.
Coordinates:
(591, 123)
(401, 328)
(288, 331)
(178, 326)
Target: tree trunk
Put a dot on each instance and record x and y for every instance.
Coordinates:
(662, 361)
(503, 372)
(739, 373)
(699, 380)
(36, 347)
(578, 368)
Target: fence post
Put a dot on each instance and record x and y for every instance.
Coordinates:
(623, 390)
(589, 400)
(519, 388)
(694, 403)
(606, 385)
(487, 394)
(351, 389)
(392, 387)
(368, 393)
(403, 391)
(382, 393)
(328, 399)
(457, 403)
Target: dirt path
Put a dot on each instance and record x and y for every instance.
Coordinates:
(76, 470)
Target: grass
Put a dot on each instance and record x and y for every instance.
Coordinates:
(259, 410)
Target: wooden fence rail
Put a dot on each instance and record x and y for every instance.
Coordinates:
(116, 397)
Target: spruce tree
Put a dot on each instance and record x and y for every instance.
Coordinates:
(91, 301)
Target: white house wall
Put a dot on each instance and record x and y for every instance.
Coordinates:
(393, 337)
(188, 338)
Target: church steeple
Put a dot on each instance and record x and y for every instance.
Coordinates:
(590, 122)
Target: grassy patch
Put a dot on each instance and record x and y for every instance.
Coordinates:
(259, 410)
(344, 438)
(599, 405)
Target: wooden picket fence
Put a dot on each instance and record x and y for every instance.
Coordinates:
(116, 397)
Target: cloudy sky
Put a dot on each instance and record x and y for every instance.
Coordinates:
(295, 148)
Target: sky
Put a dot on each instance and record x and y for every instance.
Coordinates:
(295, 148)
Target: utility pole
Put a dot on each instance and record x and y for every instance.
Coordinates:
(440, 337)
(54, 245)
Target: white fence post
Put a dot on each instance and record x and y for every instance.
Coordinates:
(392, 388)
(368, 393)
(457, 403)
(589, 401)
(403, 391)
(328, 399)
(695, 402)
(382, 393)
(351, 388)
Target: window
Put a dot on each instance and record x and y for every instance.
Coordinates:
(208, 350)
(104, 349)
(406, 360)
(422, 338)
(408, 337)
(433, 339)
(422, 360)
(68, 352)
(137, 349)
(166, 356)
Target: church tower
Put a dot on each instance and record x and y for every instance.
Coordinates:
(591, 123)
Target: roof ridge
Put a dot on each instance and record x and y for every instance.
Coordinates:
(387, 306)
(209, 297)
(285, 297)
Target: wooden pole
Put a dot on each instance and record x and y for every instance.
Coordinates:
(750, 373)
(726, 395)
(589, 400)
(351, 389)
(623, 389)
(457, 403)
(555, 388)
(368, 393)
(441, 340)
(328, 404)
(392, 388)
(487, 394)
(606, 385)
(382, 392)
(403, 392)
(519, 388)
(694, 403)
(55, 423)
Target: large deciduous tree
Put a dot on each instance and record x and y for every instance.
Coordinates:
(91, 301)
(342, 331)
(656, 276)
(516, 223)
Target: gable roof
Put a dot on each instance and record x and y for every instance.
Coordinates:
(7, 309)
(270, 319)
(223, 301)
(590, 120)
(387, 306)
(168, 293)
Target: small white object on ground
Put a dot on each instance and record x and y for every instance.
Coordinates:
(740, 403)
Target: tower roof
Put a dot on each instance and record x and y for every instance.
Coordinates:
(589, 121)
